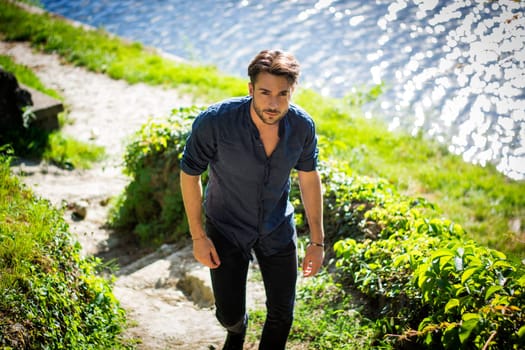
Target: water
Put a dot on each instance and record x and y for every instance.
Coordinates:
(453, 69)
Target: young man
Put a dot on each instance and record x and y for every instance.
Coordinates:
(250, 145)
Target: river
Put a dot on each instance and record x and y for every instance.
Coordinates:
(452, 69)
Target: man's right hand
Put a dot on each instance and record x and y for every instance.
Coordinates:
(205, 253)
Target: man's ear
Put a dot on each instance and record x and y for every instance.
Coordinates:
(250, 88)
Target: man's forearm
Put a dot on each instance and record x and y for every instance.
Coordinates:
(311, 193)
(191, 189)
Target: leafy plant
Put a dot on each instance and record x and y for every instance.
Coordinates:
(151, 204)
(476, 297)
(424, 282)
(50, 297)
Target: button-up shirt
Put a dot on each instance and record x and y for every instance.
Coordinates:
(247, 194)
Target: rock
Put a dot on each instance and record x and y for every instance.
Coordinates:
(80, 209)
(22, 107)
(13, 99)
(196, 285)
(45, 110)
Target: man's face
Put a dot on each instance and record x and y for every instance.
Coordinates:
(271, 97)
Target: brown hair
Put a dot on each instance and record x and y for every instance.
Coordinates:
(274, 62)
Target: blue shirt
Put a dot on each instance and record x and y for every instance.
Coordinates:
(246, 197)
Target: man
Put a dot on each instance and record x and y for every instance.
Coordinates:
(250, 145)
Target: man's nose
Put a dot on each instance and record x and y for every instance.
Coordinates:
(273, 102)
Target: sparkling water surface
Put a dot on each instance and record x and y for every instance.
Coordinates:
(453, 69)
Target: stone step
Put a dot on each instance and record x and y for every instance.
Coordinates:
(45, 108)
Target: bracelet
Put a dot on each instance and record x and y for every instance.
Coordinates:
(316, 244)
(198, 238)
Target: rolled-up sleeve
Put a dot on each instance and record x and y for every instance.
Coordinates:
(308, 159)
(200, 146)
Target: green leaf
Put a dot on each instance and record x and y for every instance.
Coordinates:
(425, 322)
(499, 255)
(422, 277)
(470, 321)
(468, 273)
(443, 261)
(474, 261)
(521, 333)
(505, 264)
(469, 316)
(461, 290)
(492, 290)
(521, 281)
(401, 260)
(452, 303)
(441, 252)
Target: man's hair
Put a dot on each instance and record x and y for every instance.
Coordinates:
(275, 62)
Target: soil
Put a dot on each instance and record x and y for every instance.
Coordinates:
(165, 292)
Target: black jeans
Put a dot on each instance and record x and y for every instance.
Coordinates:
(279, 273)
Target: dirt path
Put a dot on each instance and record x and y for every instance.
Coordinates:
(166, 294)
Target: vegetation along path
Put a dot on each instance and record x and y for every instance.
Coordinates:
(166, 295)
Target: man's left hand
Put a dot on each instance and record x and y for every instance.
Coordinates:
(313, 260)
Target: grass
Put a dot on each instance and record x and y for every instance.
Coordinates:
(325, 318)
(70, 153)
(481, 199)
(49, 296)
(26, 76)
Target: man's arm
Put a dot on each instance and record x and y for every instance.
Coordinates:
(203, 248)
(312, 197)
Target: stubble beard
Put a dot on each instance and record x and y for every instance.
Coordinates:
(260, 114)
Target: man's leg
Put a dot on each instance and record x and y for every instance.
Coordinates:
(279, 274)
(229, 289)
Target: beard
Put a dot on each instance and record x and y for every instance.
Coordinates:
(269, 120)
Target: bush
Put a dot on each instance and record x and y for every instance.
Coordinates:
(151, 205)
(426, 284)
(50, 298)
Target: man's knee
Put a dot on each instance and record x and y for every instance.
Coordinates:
(235, 326)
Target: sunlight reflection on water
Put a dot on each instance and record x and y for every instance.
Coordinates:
(454, 69)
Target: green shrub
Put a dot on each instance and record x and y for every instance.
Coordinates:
(421, 278)
(50, 298)
(151, 204)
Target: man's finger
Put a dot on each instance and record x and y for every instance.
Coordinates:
(307, 267)
(214, 257)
